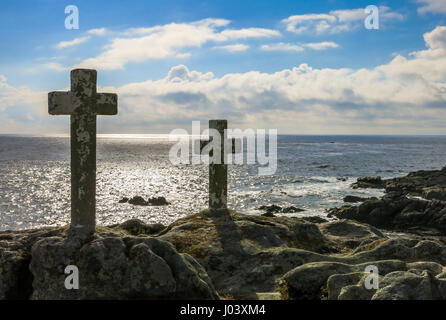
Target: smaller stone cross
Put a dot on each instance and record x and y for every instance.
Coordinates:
(83, 104)
(218, 172)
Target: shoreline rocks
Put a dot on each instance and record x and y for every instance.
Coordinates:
(354, 199)
(369, 182)
(221, 253)
(414, 203)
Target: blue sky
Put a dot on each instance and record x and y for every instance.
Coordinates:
(300, 66)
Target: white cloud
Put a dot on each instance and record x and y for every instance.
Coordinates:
(436, 39)
(182, 73)
(335, 21)
(166, 41)
(282, 47)
(233, 47)
(98, 31)
(247, 33)
(74, 42)
(183, 55)
(319, 46)
(432, 6)
(322, 45)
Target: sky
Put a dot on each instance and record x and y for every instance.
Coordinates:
(302, 67)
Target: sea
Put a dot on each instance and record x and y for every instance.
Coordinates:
(313, 173)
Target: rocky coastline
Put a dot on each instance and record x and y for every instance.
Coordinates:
(227, 255)
(415, 203)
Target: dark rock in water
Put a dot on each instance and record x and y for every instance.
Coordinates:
(158, 201)
(342, 179)
(324, 166)
(124, 200)
(291, 209)
(268, 214)
(271, 208)
(354, 199)
(369, 182)
(138, 201)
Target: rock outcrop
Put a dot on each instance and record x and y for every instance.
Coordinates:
(112, 265)
(369, 182)
(223, 254)
(407, 270)
(415, 203)
(398, 213)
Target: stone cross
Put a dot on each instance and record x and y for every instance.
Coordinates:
(83, 104)
(218, 172)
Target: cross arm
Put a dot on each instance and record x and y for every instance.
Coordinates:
(66, 103)
(107, 104)
(60, 103)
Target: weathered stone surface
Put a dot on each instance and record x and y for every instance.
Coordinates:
(337, 282)
(137, 227)
(350, 233)
(340, 277)
(309, 281)
(114, 267)
(12, 266)
(401, 285)
(15, 256)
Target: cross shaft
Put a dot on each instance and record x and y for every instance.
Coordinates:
(218, 171)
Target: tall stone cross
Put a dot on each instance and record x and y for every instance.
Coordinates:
(218, 172)
(83, 104)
